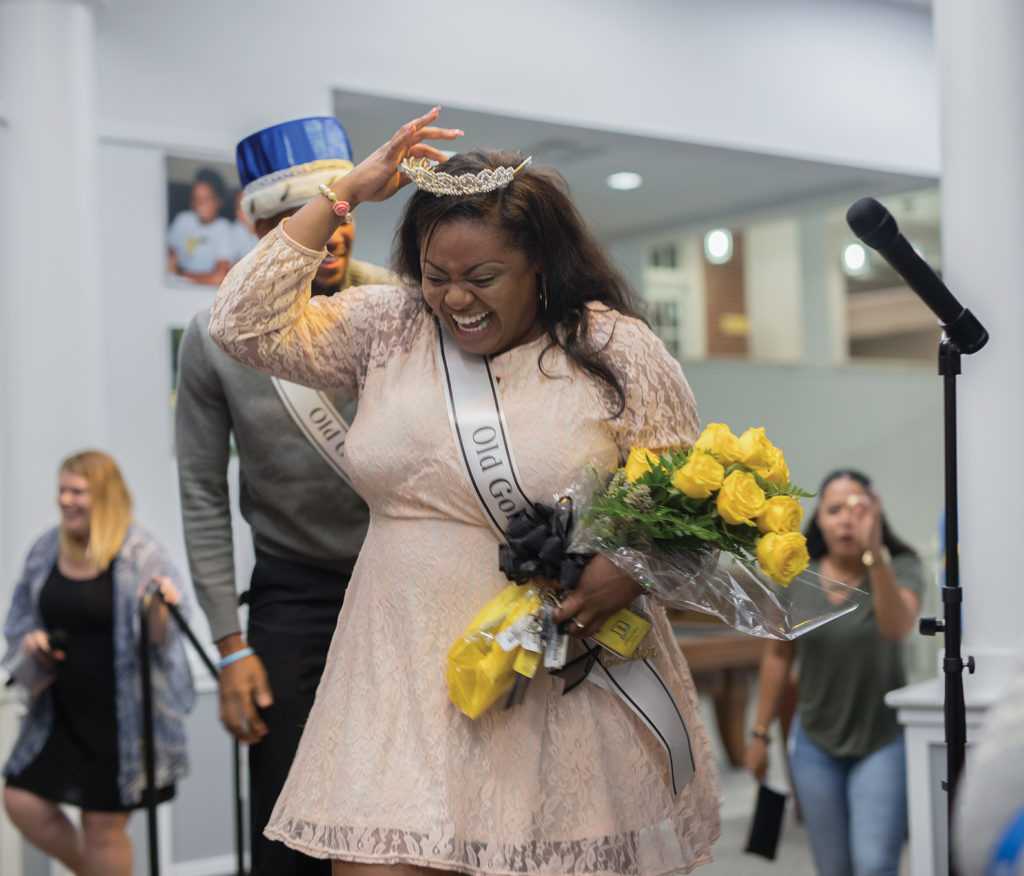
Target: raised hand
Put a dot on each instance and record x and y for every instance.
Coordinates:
(867, 515)
(377, 177)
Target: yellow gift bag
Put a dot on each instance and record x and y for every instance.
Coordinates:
(479, 669)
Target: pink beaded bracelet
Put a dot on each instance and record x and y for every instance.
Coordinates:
(341, 209)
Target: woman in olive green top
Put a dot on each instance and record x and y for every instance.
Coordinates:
(846, 747)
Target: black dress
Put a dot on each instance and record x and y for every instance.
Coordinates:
(78, 764)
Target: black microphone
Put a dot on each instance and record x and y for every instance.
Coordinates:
(873, 224)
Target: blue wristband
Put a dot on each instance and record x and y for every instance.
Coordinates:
(235, 656)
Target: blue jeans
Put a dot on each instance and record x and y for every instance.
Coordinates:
(855, 808)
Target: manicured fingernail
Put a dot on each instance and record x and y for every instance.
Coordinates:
(455, 132)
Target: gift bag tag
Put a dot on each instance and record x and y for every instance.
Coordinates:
(512, 635)
(623, 632)
(557, 651)
(530, 637)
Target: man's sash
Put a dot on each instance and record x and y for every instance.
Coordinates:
(478, 424)
(317, 419)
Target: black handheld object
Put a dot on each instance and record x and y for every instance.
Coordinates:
(874, 225)
(766, 825)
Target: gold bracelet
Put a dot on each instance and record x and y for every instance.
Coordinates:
(761, 732)
(869, 559)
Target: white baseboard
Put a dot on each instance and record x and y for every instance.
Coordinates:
(218, 866)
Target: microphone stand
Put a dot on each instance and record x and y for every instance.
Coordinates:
(963, 333)
(954, 710)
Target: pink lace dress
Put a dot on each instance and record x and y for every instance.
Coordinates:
(388, 770)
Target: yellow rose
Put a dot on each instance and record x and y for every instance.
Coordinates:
(641, 460)
(718, 438)
(740, 499)
(782, 556)
(777, 472)
(700, 476)
(756, 451)
(781, 514)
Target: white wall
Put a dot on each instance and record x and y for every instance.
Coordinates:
(844, 81)
(795, 77)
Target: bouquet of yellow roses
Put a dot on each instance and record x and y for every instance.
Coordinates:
(715, 528)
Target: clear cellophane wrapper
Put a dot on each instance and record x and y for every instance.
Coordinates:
(736, 592)
(730, 587)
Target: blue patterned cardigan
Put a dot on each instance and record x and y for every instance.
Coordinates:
(139, 558)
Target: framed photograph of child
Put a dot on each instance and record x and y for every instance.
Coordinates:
(206, 231)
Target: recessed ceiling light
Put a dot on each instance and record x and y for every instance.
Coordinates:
(718, 246)
(855, 259)
(624, 181)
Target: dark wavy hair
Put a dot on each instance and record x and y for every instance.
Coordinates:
(214, 180)
(816, 541)
(537, 215)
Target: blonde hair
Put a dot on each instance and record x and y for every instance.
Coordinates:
(111, 508)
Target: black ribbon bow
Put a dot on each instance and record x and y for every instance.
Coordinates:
(536, 545)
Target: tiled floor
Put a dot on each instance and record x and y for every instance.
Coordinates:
(793, 856)
(739, 790)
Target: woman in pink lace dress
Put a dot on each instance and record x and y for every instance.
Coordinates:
(389, 771)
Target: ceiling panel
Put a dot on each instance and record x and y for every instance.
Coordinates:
(684, 183)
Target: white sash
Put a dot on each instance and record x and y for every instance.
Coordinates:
(640, 686)
(474, 412)
(478, 424)
(317, 419)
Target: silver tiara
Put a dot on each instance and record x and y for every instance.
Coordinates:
(439, 183)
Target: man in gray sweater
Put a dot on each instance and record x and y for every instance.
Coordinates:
(307, 523)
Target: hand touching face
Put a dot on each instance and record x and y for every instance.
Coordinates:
(850, 517)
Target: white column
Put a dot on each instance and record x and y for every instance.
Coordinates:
(824, 292)
(52, 389)
(773, 287)
(981, 70)
(982, 84)
(51, 367)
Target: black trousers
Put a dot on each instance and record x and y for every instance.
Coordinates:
(293, 609)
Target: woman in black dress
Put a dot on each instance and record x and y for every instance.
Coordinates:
(72, 636)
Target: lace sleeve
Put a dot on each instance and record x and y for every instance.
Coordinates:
(265, 318)
(660, 409)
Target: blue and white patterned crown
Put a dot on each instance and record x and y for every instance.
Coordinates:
(282, 166)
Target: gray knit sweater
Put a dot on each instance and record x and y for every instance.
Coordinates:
(297, 507)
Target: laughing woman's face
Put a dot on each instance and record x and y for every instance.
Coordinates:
(482, 289)
(74, 497)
